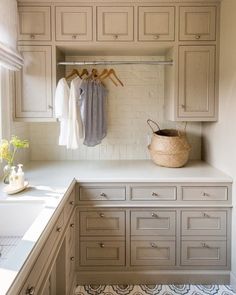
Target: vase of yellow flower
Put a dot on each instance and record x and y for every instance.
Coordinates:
(8, 150)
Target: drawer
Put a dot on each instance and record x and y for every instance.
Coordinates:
(153, 193)
(70, 233)
(35, 277)
(70, 267)
(155, 222)
(158, 253)
(156, 23)
(34, 23)
(205, 193)
(69, 206)
(197, 23)
(102, 223)
(204, 222)
(204, 253)
(104, 253)
(102, 193)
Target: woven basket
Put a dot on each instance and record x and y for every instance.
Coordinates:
(169, 147)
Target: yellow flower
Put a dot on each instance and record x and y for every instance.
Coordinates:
(5, 153)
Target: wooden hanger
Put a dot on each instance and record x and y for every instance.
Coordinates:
(94, 74)
(112, 72)
(84, 72)
(73, 72)
(104, 72)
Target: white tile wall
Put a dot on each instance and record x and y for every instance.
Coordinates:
(128, 109)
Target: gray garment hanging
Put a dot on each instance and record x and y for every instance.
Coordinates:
(93, 109)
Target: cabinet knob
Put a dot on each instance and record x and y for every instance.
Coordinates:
(50, 107)
(32, 36)
(59, 229)
(72, 225)
(204, 245)
(183, 106)
(71, 203)
(101, 215)
(74, 36)
(154, 194)
(72, 258)
(154, 215)
(197, 37)
(153, 245)
(116, 37)
(103, 195)
(156, 37)
(101, 245)
(203, 194)
(205, 215)
(30, 291)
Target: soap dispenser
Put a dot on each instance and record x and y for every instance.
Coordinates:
(20, 176)
(13, 177)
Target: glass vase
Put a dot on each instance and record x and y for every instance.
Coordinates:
(6, 173)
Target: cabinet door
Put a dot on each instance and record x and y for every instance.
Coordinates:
(33, 83)
(34, 23)
(196, 82)
(197, 23)
(74, 23)
(115, 24)
(156, 23)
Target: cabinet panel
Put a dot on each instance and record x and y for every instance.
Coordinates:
(159, 253)
(197, 23)
(205, 253)
(102, 193)
(153, 193)
(34, 23)
(115, 24)
(104, 253)
(204, 222)
(33, 83)
(156, 222)
(74, 23)
(196, 82)
(156, 23)
(102, 222)
(204, 193)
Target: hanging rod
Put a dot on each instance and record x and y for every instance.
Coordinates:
(97, 63)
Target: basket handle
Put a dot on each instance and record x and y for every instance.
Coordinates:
(149, 121)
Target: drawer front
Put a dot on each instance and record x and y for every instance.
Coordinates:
(204, 222)
(70, 267)
(115, 24)
(154, 252)
(153, 223)
(204, 253)
(70, 233)
(34, 279)
(34, 23)
(69, 206)
(74, 23)
(197, 23)
(156, 23)
(154, 193)
(102, 223)
(205, 193)
(105, 253)
(102, 193)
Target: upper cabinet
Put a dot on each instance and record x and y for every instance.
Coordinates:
(74, 23)
(197, 23)
(115, 23)
(156, 23)
(34, 23)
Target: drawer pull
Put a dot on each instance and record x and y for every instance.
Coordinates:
(116, 37)
(156, 37)
(153, 245)
(101, 215)
(204, 245)
(71, 203)
(74, 36)
(30, 291)
(154, 215)
(197, 37)
(72, 258)
(154, 194)
(32, 36)
(59, 229)
(103, 195)
(205, 215)
(72, 225)
(204, 194)
(101, 245)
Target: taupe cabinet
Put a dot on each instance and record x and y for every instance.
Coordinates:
(152, 227)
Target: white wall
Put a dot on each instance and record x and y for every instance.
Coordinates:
(219, 139)
(129, 107)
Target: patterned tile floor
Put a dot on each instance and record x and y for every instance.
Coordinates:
(154, 290)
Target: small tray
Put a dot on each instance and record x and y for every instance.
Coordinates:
(8, 189)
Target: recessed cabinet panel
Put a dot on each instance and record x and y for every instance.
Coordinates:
(34, 23)
(205, 193)
(155, 193)
(102, 193)
(156, 23)
(197, 23)
(196, 82)
(115, 24)
(74, 23)
(33, 83)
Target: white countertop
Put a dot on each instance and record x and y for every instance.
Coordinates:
(50, 180)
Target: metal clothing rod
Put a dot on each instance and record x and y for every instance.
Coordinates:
(97, 63)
